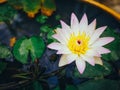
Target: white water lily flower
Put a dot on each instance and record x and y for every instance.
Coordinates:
(80, 42)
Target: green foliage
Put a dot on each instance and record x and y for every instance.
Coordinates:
(68, 87)
(31, 5)
(57, 17)
(6, 12)
(113, 46)
(49, 4)
(41, 19)
(24, 47)
(71, 87)
(100, 85)
(50, 38)
(45, 28)
(97, 71)
(16, 3)
(2, 66)
(4, 52)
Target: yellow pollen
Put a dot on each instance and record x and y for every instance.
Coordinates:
(78, 44)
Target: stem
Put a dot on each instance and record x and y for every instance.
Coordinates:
(52, 73)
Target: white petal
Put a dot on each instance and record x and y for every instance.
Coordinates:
(103, 41)
(92, 52)
(83, 23)
(59, 38)
(98, 60)
(74, 24)
(63, 61)
(74, 20)
(61, 34)
(97, 34)
(89, 59)
(64, 50)
(65, 29)
(71, 57)
(64, 25)
(80, 65)
(102, 50)
(91, 27)
(55, 46)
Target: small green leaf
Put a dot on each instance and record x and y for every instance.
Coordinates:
(57, 17)
(45, 28)
(94, 71)
(49, 37)
(2, 66)
(42, 19)
(23, 47)
(37, 85)
(100, 85)
(4, 52)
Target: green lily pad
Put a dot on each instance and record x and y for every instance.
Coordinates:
(24, 47)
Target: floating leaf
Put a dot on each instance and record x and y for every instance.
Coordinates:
(49, 37)
(20, 50)
(2, 66)
(45, 28)
(48, 6)
(31, 7)
(4, 52)
(113, 46)
(42, 19)
(37, 47)
(34, 46)
(100, 85)
(17, 4)
(94, 71)
(6, 12)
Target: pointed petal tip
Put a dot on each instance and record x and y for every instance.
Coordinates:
(63, 61)
(85, 16)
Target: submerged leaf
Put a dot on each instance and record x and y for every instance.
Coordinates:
(37, 85)
(100, 85)
(2, 66)
(96, 71)
(113, 46)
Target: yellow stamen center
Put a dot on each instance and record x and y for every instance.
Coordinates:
(78, 44)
